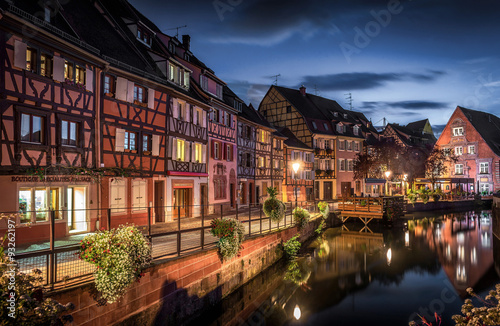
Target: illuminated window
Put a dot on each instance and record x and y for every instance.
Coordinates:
(31, 57)
(181, 150)
(68, 70)
(46, 65)
(32, 128)
(80, 75)
(198, 153)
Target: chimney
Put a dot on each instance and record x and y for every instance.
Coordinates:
(186, 42)
(302, 90)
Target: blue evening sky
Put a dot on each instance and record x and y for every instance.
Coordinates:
(403, 60)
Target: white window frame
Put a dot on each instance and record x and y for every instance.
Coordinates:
(459, 169)
(471, 149)
(484, 168)
(459, 150)
(458, 131)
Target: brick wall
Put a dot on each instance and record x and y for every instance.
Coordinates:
(172, 290)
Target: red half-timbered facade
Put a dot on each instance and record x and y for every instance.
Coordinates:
(48, 109)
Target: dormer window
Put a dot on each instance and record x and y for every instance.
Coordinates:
(48, 13)
(314, 125)
(178, 75)
(218, 90)
(187, 57)
(325, 125)
(171, 47)
(143, 35)
(345, 115)
(340, 128)
(335, 114)
(355, 130)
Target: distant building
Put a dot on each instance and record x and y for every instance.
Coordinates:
(474, 136)
(416, 134)
(335, 134)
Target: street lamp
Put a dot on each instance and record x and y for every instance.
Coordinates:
(387, 174)
(295, 167)
(405, 181)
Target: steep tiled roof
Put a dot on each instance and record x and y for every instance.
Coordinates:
(250, 114)
(487, 125)
(292, 141)
(417, 125)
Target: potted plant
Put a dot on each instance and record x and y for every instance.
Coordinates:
(317, 151)
(230, 233)
(362, 203)
(273, 207)
(318, 172)
(329, 172)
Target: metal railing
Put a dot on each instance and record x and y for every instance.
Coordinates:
(181, 230)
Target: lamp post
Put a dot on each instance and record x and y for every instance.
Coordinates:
(405, 181)
(295, 167)
(387, 174)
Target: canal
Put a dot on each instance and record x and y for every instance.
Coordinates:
(384, 276)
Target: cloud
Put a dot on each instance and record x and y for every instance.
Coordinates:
(365, 80)
(409, 107)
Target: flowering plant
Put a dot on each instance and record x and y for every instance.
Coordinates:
(324, 208)
(230, 233)
(273, 207)
(488, 314)
(120, 256)
(301, 216)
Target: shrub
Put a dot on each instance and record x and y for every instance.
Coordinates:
(292, 247)
(301, 216)
(489, 314)
(230, 233)
(273, 207)
(29, 305)
(120, 256)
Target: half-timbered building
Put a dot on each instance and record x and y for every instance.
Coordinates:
(48, 96)
(298, 185)
(247, 135)
(334, 133)
(474, 137)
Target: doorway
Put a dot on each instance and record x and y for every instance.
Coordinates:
(77, 215)
(250, 193)
(159, 208)
(345, 189)
(204, 198)
(182, 200)
(257, 195)
(327, 190)
(231, 194)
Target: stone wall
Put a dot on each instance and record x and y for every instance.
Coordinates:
(175, 290)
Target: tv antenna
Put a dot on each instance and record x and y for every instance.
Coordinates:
(349, 100)
(276, 79)
(177, 30)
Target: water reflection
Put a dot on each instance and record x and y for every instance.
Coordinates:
(382, 276)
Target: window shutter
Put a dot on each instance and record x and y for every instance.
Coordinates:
(332, 144)
(20, 54)
(193, 152)
(89, 80)
(119, 140)
(175, 108)
(121, 88)
(204, 155)
(57, 68)
(224, 151)
(233, 152)
(151, 98)
(186, 151)
(195, 115)
(187, 113)
(212, 149)
(156, 145)
(130, 91)
(204, 117)
(174, 149)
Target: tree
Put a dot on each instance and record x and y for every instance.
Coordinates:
(436, 164)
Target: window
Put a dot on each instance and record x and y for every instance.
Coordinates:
(143, 35)
(46, 65)
(217, 151)
(356, 146)
(181, 150)
(484, 188)
(147, 144)
(198, 156)
(289, 109)
(459, 150)
(218, 90)
(327, 165)
(309, 157)
(32, 128)
(229, 152)
(341, 145)
(471, 149)
(47, 14)
(350, 165)
(130, 138)
(349, 145)
(355, 130)
(35, 203)
(261, 162)
(185, 80)
(341, 165)
(325, 125)
(484, 167)
(314, 125)
(69, 133)
(80, 75)
(140, 94)
(204, 82)
(340, 128)
(68, 70)
(109, 84)
(118, 195)
(31, 57)
(459, 169)
(171, 47)
(458, 131)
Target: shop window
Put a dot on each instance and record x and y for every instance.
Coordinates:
(35, 204)
(69, 133)
(32, 128)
